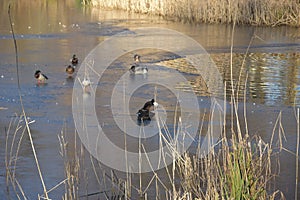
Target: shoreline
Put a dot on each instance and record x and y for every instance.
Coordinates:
(257, 13)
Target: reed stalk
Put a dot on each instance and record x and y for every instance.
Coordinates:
(71, 168)
(12, 157)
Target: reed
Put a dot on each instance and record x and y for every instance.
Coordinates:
(71, 167)
(12, 145)
(237, 169)
(258, 12)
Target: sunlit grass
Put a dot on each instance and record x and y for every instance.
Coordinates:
(261, 12)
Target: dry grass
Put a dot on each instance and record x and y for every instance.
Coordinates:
(12, 147)
(71, 167)
(258, 12)
(236, 169)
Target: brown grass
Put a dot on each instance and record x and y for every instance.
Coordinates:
(254, 12)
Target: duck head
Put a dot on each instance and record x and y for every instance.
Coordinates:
(136, 58)
(37, 74)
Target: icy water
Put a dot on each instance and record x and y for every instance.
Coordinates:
(49, 33)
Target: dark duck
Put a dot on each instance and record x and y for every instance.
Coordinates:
(135, 68)
(41, 78)
(70, 69)
(74, 60)
(144, 113)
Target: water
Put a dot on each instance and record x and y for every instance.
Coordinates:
(49, 33)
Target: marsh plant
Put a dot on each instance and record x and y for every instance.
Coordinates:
(238, 167)
(258, 12)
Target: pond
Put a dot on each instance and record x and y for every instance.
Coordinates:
(265, 69)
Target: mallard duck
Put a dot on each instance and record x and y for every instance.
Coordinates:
(70, 69)
(144, 113)
(41, 78)
(135, 68)
(74, 60)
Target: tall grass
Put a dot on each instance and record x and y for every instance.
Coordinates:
(12, 147)
(255, 12)
(71, 167)
(236, 169)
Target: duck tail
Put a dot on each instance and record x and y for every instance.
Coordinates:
(45, 76)
(139, 112)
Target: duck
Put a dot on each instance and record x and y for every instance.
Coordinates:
(135, 68)
(74, 60)
(41, 78)
(86, 82)
(70, 69)
(138, 70)
(144, 113)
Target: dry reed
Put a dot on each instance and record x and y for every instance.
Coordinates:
(258, 12)
(71, 167)
(12, 146)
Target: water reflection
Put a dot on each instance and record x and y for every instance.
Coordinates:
(41, 85)
(70, 79)
(273, 78)
(269, 78)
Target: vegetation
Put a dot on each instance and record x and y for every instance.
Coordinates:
(239, 167)
(258, 12)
